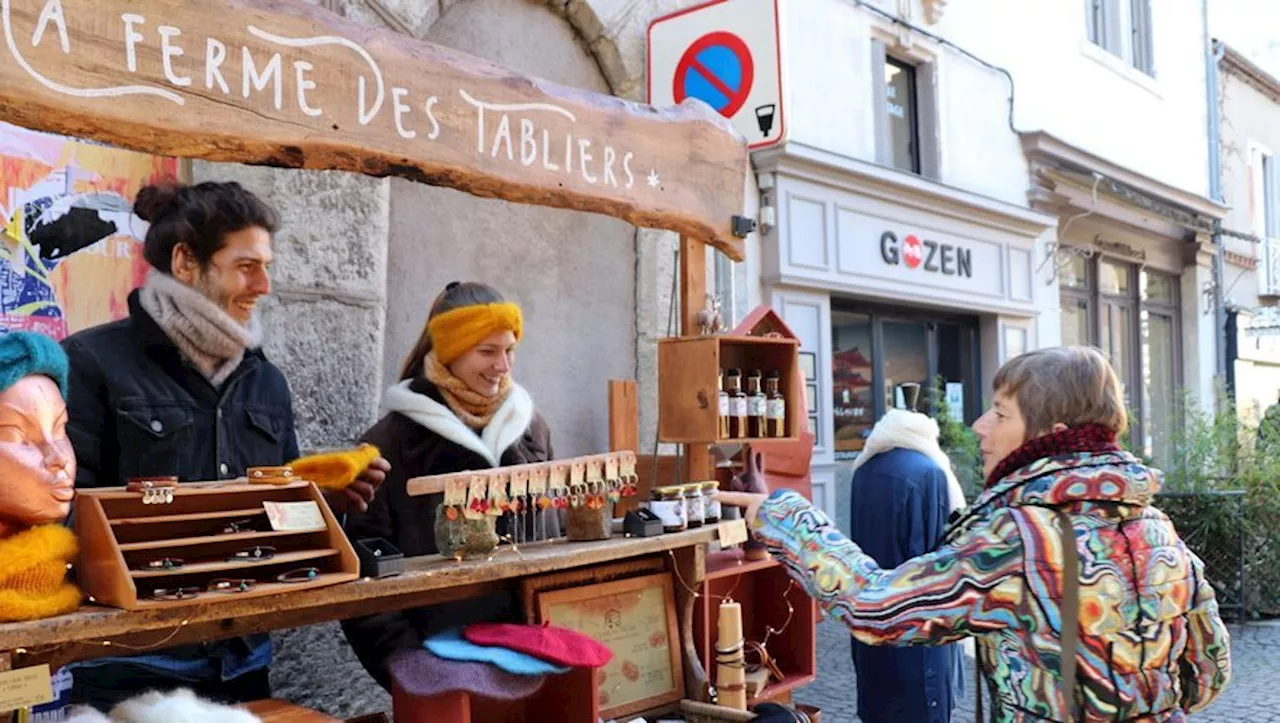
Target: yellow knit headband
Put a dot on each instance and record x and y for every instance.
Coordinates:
(457, 330)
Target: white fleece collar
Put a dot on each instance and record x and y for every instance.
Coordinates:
(899, 428)
(507, 426)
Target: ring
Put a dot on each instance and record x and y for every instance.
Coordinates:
(173, 593)
(164, 563)
(302, 574)
(255, 554)
(231, 585)
(238, 526)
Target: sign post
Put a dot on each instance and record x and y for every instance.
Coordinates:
(728, 54)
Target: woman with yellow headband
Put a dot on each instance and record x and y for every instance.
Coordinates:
(456, 408)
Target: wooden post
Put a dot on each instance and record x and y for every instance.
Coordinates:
(693, 296)
(624, 431)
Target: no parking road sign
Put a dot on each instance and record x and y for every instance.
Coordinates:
(726, 53)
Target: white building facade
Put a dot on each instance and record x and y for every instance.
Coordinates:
(1249, 139)
(962, 182)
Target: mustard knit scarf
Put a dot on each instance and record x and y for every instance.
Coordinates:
(33, 574)
(474, 409)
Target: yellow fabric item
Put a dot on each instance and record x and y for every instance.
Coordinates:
(457, 330)
(475, 410)
(335, 470)
(33, 574)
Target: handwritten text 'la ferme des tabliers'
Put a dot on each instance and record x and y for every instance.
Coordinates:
(510, 130)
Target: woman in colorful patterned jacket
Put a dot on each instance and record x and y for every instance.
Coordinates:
(1151, 645)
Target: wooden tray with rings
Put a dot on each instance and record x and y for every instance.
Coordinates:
(159, 544)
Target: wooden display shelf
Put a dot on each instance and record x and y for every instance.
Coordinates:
(119, 534)
(759, 586)
(689, 371)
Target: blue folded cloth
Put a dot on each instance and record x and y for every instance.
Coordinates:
(450, 645)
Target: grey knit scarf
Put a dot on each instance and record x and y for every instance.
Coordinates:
(205, 334)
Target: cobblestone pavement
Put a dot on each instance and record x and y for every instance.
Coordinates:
(1253, 695)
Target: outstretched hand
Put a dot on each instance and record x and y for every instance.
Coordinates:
(360, 493)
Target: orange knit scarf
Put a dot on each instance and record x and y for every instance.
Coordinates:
(474, 409)
(33, 572)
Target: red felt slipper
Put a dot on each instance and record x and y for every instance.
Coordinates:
(561, 646)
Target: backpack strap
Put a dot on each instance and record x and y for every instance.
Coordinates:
(1070, 610)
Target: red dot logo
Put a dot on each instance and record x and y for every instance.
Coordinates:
(912, 252)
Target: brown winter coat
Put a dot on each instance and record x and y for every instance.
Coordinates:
(419, 436)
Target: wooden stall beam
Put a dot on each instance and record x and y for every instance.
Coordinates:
(284, 83)
(693, 296)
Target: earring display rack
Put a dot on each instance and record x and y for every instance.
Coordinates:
(206, 542)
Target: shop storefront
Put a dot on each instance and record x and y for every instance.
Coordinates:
(893, 281)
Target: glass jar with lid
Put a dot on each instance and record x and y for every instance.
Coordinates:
(710, 491)
(695, 509)
(667, 503)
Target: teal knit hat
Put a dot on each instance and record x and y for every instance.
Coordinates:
(23, 353)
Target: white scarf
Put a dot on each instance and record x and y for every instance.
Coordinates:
(900, 429)
(505, 428)
(204, 332)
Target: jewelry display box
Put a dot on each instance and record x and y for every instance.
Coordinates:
(152, 546)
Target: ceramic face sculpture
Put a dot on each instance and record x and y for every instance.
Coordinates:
(37, 464)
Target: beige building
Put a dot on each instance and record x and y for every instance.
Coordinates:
(1249, 111)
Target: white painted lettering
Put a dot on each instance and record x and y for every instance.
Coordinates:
(367, 115)
(431, 116)
(122, 250)
(528, 146)
(568, 153)
(584, 157)
(503, 136)
(259, 81)
(610, 156)
(131, 38)
(214, 55)
(301, 68)
(400, 109)
(626, 168)
(546, 152)
(52, 11)
(169, 51)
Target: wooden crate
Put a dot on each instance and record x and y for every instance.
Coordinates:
(118, 533)
(568, 698)
(759, 587)
(688, 383)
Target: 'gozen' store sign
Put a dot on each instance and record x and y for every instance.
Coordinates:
(279, 82)
(880, 248)
(932, 256)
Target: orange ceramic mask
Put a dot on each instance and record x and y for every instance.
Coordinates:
(37, 463)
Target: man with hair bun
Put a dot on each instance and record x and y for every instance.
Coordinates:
(181, 387)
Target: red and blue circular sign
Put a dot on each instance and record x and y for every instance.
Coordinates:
(717, 69)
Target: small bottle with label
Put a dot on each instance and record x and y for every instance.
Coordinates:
(737, 406)
(756, 403)
(710, 489)
(724, 406)
(775, 407)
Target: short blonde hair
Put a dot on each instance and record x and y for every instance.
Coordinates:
(1072, 385)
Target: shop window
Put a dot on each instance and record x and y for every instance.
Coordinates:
(1132, 315)
(1122, 28)
(883, 357)
(1265, 185)
(902, 122)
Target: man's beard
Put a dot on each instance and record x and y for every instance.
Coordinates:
(208, 287)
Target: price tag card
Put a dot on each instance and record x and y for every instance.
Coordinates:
(497, 492)
(538, 480)
(294, 516)
(627, 464)
(519, 482)
(556, 480)
(26, 687)
(577, 474)
(611, 467)
(595, 471)
(477, 491)
(733, 532)
(455, 490)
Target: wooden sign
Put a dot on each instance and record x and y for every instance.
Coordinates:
(636, 619)
(282, 83)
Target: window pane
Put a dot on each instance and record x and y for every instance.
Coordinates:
(1113, 278)
(906, 361)
(1075, 322)
(900, 105)
(851, 379)
(1159, 288)
(1160, 349)
(1116, 335)
(1075, 273)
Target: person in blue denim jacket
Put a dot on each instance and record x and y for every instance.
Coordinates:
(181, 387)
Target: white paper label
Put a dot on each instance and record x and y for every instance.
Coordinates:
(777, 408)
(724, 405)
(25, 687)
(671, 512)
(758, 406)
(695, 509)
(294, 516)
(738, 407)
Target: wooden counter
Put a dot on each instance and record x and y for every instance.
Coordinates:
(427, 580)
